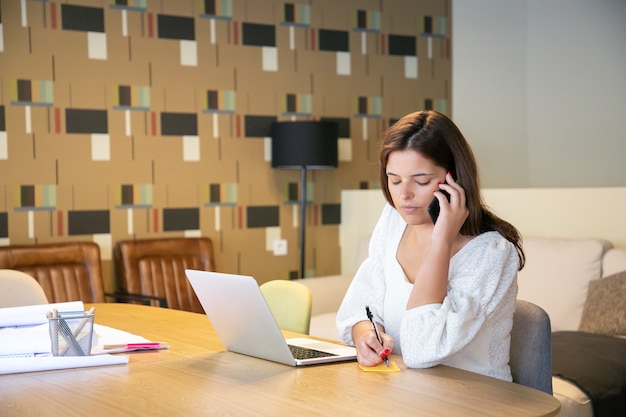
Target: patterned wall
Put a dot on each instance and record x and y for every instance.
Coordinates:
(150, 118)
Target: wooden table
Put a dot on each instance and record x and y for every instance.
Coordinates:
(197, 377)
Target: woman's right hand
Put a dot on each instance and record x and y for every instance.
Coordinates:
(369, 352)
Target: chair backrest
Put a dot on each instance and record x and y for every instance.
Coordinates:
(68, 271)
(290, 303)
(531, 347)
(156, 268)
(17, 289)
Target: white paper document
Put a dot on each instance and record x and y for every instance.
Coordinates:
(48, 363)
(25, 341)
(30, 315)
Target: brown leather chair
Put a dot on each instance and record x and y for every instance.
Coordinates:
(69, 271)
(153, 270)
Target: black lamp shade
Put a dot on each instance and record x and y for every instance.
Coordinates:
(304, 144)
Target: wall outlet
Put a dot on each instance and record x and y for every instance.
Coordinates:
(280, 247)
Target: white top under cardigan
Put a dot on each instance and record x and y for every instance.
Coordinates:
(469, 330)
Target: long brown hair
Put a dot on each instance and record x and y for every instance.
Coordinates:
(437, 138)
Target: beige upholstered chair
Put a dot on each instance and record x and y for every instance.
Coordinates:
(17, 289)
(152, 271)
(69, 271)
(290, 303)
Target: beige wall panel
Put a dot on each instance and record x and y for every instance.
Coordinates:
(16, 172)
(340, 85)
(16, 40)
(167, 149)
(71, 54)
(216, 79)
(264, 191)
(19, 229)
(123, 69)
(116, 123)
(244, 150)
(108, 277)
(301, 38)
(84, 196)
(168, 195)
(226, 259)
(255, 260)
(206, 124)
(174, 8)
(50, 148)
(135, 23)
(183, 97)
(124, 171)
(87, 94)
(434, 7)
(264, 100)
(163, 56)
(152, 52)
(142, 223)
(6, 196)
(401, 19)
(401, 98)
(334, 15)
(183, 195)
(242, 58)
(22, 65)
(360, 63)
(78, 168)
(258, 11)
(41, 120)
(119, 221)
(86, 172)
(171, 172)
(326, 254)
(43, 226)
(321, 63)
(334, 106)
(208, 226)
(208, 57)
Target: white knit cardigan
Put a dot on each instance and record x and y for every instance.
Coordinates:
(469, 330)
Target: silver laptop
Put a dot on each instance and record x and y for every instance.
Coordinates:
(244, 323)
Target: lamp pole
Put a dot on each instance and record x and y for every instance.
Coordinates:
(304, 145)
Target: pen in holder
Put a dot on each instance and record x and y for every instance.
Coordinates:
(71, 333)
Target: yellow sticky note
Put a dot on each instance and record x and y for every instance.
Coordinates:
(381, 367)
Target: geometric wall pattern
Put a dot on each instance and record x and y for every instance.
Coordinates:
(138, 119)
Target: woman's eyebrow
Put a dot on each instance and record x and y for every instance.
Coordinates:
(419, 174)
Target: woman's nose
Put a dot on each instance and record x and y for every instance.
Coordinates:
(406, 193)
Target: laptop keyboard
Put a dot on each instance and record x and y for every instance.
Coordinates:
(300, 352)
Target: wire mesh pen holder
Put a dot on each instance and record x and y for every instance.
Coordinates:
(71, 333)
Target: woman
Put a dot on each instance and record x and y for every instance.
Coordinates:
(443, 292)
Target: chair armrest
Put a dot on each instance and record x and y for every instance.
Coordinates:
(143, 298)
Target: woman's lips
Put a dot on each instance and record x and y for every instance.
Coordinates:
(409, 209)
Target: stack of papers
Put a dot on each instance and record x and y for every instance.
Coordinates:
(25, 341)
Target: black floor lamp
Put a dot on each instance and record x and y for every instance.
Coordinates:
(304, 145)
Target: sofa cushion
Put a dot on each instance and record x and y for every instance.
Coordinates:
(557, 274)
(574, 401)
(596, 363)
(605, 308)
(327, 292)
(324, 325)
(614, 261)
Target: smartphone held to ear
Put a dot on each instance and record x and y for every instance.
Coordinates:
(433, 207)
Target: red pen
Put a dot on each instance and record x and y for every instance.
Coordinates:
(137, 346)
